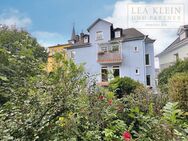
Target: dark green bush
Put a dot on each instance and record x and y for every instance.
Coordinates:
(123, 86)
(179, 66)
(178, 89)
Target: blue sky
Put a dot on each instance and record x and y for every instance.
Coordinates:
(55, 18)
(58, 16)
(51, 21)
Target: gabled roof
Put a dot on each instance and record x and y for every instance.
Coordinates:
(117, 29)
(169, 47)
(98, 20)
(176, 42)
(182, 28)
(131, 34)
(59, 45)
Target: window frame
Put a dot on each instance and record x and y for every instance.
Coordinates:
(176, 55)
(137, 73)
(136, 50)
(148, 60)
(119, 33)
(104, 68)
(86, 39)
(102, 36)
(115, 68)
(149, 80)
(115, 48)
(72, 54)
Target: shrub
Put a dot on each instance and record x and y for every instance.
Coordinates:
(178, 89)
(179, 66)
(146, 100)
(123, 86)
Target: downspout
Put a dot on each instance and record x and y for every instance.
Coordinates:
(144, 52)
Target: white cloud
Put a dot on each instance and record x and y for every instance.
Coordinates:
(164, 37)
(14, 17)
(47, 39)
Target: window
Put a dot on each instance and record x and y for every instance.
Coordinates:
(147, 59)
(137, 71)
(117, 34)
(86, 39)
(148, 83)
(135, 49)
(72, 41)
(99, 35)
(116, 71)
(104, 74)
(115, 47)
(176, 56)
(52, 51)
(72, 54)
(104, 49)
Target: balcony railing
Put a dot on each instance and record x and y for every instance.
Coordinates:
(109, 53)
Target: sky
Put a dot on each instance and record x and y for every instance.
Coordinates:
(51, 21)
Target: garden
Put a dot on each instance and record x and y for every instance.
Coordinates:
(68, 105)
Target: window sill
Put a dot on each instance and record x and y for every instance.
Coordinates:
(99, 39)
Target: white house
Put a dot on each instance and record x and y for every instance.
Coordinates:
(123, 52)
(177, 50)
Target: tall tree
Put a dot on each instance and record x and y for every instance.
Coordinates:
(20, 56)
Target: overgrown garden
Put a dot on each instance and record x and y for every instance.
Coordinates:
(67, 105)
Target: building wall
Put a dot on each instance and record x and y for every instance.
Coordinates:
(52, 51)
(88, 57)
(100, 26)
(169, 58)
(131, 59)
(150, 70)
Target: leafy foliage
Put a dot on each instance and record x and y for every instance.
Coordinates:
(19, 53)
(166, 74)
(123, 86)
(66, 104)
(178, 89)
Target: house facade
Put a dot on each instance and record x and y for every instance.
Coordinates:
(51, 51)
(108, 52)
(177, 50)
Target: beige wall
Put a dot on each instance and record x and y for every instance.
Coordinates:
(52, 50)
(169, 58)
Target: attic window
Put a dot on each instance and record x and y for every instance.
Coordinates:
(86, 40)
(117, 34)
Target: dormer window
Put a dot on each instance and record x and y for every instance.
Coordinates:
(99, 35)
(86, 39)
(117, 34)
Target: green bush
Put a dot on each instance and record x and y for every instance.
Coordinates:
(67, 105)
(123, 86)
(146, 100)
(178, 89)
(179, 66)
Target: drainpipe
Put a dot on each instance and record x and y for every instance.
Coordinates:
(144, 52)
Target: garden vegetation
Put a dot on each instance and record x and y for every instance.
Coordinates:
(67, 105)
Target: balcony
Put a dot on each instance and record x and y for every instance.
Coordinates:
(109, 53)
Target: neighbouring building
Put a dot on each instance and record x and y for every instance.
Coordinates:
(177, 50)
(51, 51)
(109, 52)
